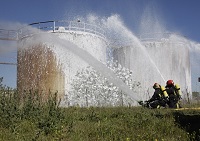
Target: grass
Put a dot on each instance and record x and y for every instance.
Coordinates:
(28, 119)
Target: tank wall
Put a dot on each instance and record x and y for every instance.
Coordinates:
(38, 69)
(93, 44)
(51, 66)
(158, 62)
(173, 60)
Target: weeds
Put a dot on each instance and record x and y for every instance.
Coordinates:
(28, 118)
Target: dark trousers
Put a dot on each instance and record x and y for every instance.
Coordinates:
(173, 101)
(157, 103)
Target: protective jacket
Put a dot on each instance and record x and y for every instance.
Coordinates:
(157, 95)
(158, 99)
(174, 95)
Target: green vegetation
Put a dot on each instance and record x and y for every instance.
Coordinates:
(28, 119)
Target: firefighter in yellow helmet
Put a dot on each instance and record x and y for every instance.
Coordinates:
(174, 92)
(159, 98)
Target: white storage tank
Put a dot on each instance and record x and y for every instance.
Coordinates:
(45, 66)
(156, 61)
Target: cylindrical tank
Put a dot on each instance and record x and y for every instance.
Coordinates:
(46, 66)
(157, 61)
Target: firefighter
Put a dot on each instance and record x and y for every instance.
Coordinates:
(159, 98)
(174, 92)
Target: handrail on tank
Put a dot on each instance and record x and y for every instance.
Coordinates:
(156, 36)
(8, 34)
(60, 26)
(149, 39)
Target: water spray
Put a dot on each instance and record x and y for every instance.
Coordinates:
(87, 57)
(149, 70)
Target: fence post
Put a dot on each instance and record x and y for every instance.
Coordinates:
(86, 98)
(188, 98)
(69, 25)
(17, 35)
(7, 34)
(54, 26)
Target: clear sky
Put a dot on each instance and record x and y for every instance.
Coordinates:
(182, 16)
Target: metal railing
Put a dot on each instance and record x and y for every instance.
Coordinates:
(7, 63)
(51, 26)
(157, 36)
(60, 27)
(8, 34)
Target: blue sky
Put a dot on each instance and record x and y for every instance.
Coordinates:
(182, 16)
(177, 15)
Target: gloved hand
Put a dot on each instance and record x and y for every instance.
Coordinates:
(140, 102)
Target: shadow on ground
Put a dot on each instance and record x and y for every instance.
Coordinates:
(190, 121)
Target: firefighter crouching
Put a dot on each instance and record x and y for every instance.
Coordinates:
(173, 90)
(159, 98)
